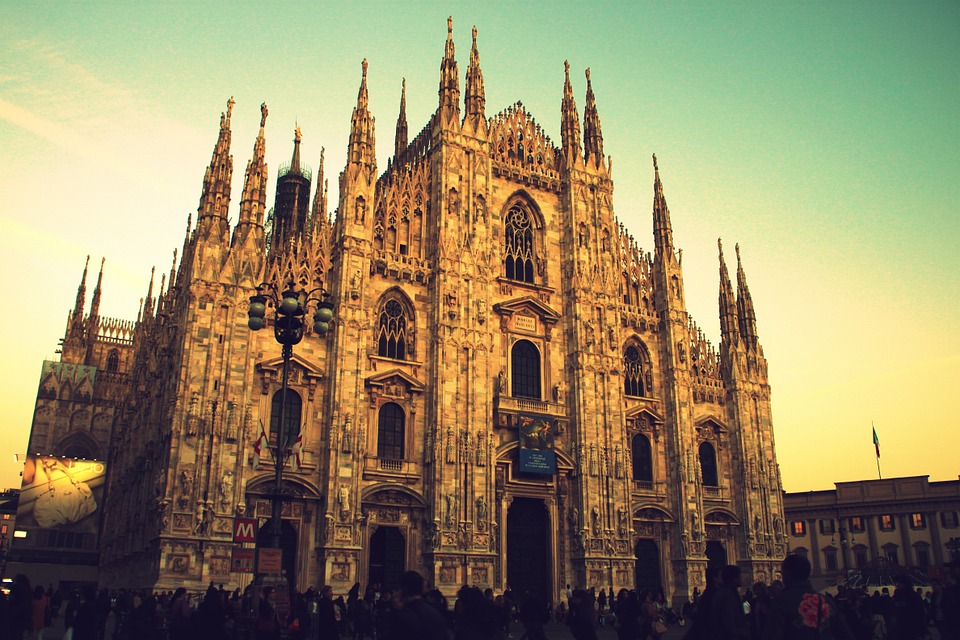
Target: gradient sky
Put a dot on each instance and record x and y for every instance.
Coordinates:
(822, 137)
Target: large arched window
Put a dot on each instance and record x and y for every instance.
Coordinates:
(390, 430)
(526, 370)
(633, 372)
(291, 417)
(642, 459)
(708, 465)
(518, 245)
(392, 331)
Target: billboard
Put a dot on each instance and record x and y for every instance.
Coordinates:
(536, 444)
(61, 493)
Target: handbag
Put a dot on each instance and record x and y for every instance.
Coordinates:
(659, 628)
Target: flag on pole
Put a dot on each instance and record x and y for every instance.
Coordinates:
(296, 453)
(876, 442)
(258, 446)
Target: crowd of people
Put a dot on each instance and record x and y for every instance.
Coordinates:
(791, 609)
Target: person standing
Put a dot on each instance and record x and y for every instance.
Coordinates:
(907, 607)
(415, 619)
(727, 618)
(799, 612)
(328, 623)
(268, 624)
(39, 608)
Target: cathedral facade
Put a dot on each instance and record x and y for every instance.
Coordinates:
(511, 391)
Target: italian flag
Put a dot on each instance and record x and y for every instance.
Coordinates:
(876, 442)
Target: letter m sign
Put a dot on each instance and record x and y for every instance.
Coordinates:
(244, 529)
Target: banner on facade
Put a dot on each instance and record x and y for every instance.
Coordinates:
(61, 493)
(536, 444)
(242, 560)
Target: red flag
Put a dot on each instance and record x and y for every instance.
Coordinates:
(296, 453)
(258, 446)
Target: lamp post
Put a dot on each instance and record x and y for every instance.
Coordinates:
(291, 306)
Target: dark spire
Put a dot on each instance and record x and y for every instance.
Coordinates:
(81, 292)
(569, 118)
(95, 304)
(254, 200)
(215, 199)
(729, 325)
(295, 160)
(361, 148)
(148, 303)
(449, 80)
(662, 232)
(592, 137)
(748, 319)
(400, 141)
(474, 101)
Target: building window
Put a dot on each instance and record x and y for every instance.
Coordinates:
(890, 551)
(857, 525)
(708, 465)
(113, 361)
(291, 416)
(518, 245)
(392, 333)
(830, 559)
(633, 372)
(827, 527)
(390, 430)
(3, 530)
(887, 523)
(949, 519)
(525, 381)
(917, 521)
(642, 459)
(798, 528)
(860, 556)
(800, 551)
(922, 551)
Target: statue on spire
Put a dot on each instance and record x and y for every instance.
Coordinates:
(263, 114)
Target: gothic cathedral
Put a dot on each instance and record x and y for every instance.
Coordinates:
(511, 391)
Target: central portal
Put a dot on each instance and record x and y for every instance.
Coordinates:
(387, 552)
(528, 548)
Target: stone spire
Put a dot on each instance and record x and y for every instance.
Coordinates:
(148, 302)
(662, 232)
(569, 118)
(81, 292)
(95, 304)
(400, 141)
(254, 201)
(592, 137)
(745, 312)
(449, 80)
(295, 160)
(320, 227)
(729, 324)
(475, 100)
(73, 350)
(215, 198)
(361, 148)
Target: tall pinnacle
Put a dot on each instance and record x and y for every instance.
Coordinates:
(662, 232)
(215, 199)
(729, 325)
(254, 201)
(361, 148)
(449, 79)
(592, 137)
(320, 228)
(95, 304)
(148, 303)
(569, 118)
(400, 141)
(745, 312)
(475, 100)
(295, 160)
(81, 292)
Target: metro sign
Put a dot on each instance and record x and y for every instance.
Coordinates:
(244, 529)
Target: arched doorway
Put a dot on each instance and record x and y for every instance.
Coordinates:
(388, 551)
(288, 543)
(647, 569)
(716, 554)
(528, 548)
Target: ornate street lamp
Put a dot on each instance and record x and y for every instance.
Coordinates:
(291, 306)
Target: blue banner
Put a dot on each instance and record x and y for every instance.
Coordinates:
(536, 444)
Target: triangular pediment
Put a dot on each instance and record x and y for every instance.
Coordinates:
(395, 377)
(528, 304)
(643, 411)
(711, 421)
(517, 139)
(276, 364)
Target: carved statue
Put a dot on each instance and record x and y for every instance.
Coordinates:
(574, 518)
(595, 520)
(622, 520)
(481, 513)
(618, 461)
(347, 437)
(778, 527)
(695, 525)
(451, 448)
(226, 490)
(199, 526)
(502, 381)
(162, 519)
(343, 501)
(186, 487)
(450, 516)
(361, 211)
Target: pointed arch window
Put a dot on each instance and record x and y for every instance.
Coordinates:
(113, 361)
(392, 331)
(642, 458)
(287, 432)
(390, 432)
(518, 245)
(525, 361)
(708, 465)
(633, 372)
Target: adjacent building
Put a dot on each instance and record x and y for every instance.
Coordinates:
(512, 390)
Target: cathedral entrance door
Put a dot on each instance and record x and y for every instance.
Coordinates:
(388, 551)
(716, 554)
(647, 570)
(288, 543)
(528, 548)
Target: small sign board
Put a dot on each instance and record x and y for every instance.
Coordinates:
(244, 529)
(269, 560)
(242, 560)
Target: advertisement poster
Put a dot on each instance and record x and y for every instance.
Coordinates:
(61, 493)
(536, 444)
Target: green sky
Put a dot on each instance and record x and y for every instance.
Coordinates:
(824, 138)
